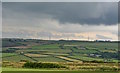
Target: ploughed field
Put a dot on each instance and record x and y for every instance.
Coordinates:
(75, 55)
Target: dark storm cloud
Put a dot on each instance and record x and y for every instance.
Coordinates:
(119, 13)
(80, 13)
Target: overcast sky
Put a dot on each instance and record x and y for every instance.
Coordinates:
(76, 20)
(60, 0)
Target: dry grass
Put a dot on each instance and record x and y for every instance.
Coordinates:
(36, 55)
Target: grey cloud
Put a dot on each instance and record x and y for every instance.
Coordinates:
(102, 37)
(43, 34)
(14, 34)
(53, 35)
(81, 13)
(17, 33)
(60, 0)
(39, 19)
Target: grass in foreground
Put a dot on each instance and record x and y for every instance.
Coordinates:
(6, 69)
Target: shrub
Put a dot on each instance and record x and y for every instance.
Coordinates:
(42, 65)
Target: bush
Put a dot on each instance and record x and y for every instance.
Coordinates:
(42, 65)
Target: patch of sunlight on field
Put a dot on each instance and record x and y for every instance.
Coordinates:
(27, 69)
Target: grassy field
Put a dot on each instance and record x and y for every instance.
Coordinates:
(8, 54)
(42, 70)
(16, 58)
(54, 72)
(73, 54)
(51, 46)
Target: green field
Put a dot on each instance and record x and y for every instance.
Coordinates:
(55, 72)
(8, 54)
(73, 54)
(14, 70)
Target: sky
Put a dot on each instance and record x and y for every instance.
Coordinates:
(60, 20)
(60, 0)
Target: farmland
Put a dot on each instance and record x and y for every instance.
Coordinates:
(75, 55)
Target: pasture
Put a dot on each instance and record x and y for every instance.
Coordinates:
(73, 54)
